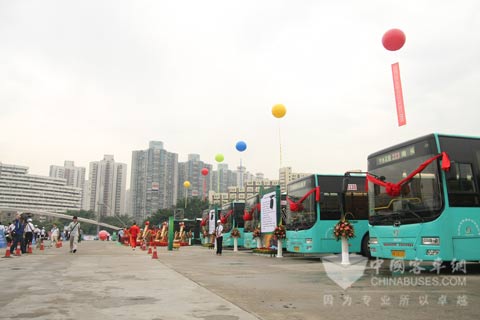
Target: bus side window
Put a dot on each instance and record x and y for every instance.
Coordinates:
(462, 191)
(460, 178)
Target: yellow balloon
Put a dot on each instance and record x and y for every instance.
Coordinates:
(186, 184)
(279, 111)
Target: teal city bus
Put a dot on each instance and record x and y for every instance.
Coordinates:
(424, 199)
(316, 203)
(231, 215)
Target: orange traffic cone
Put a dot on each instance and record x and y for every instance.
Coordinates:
(7, 253)
(154, 255)
(18, 252)
(149, 250)
(42, 246)
(29, 250)
(60, 243)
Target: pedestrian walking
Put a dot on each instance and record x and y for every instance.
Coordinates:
(134, 231)
(74, 231)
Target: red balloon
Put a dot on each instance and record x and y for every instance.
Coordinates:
(204, 171)
(103, 235)
(393, 39)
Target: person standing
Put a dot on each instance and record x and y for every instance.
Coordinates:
(74, 231)
(9, 232)
(17, 234)
(29, 229)
(219, 236)
(134, 231)
(54, 235)
(120, 235)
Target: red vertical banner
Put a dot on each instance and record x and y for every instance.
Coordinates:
(397, 86)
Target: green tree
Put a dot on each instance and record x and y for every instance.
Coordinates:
(160, 216)
(195, 207)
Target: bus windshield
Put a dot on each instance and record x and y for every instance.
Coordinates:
(304, 215)
(419, 199)
(251, 207)
(227, 212)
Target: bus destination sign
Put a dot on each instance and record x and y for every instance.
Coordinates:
(396, 155)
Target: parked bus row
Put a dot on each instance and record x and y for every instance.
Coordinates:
(418, 200)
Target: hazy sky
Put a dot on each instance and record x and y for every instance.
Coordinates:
(80, 79)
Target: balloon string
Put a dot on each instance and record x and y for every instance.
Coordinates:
(280, 143)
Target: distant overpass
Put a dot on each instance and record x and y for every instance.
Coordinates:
(59, 215)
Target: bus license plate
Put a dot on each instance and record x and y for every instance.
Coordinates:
(296, 248)
(398, 253)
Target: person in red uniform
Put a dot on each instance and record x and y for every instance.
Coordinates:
(134, 231)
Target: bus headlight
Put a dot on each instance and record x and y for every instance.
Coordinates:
(373, 241)
(435, 241)
(308, 240)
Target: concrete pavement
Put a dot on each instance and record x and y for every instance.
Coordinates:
(104, 280)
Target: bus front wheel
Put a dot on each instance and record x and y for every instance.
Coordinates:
(366, 246)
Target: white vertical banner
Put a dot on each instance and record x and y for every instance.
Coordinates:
(211, 222)
(269, 212)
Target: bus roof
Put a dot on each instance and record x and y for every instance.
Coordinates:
(411, 141)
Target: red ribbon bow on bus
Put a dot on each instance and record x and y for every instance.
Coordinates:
(394, 189)
(223, 218)
(248, 215)
(298, 206)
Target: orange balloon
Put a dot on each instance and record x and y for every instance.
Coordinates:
(279, 111)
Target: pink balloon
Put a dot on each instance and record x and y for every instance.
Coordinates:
(204, 171)
(393, 39)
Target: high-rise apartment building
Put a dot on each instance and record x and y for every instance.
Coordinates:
(107, 180)
(192, 171)
(286, 175)
(19, 189)
(75, 177)
(223, 178)
(154, 180)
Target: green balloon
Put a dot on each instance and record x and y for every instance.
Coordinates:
(219, 157)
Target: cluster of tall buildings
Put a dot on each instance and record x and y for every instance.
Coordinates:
(156, 182)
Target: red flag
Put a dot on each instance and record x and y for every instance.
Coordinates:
(397, 86)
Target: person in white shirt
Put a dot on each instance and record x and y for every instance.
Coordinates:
(74, 229)
(29, 228)
(36, 233)
(219, 237)
(54, 234)
(9, 232)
